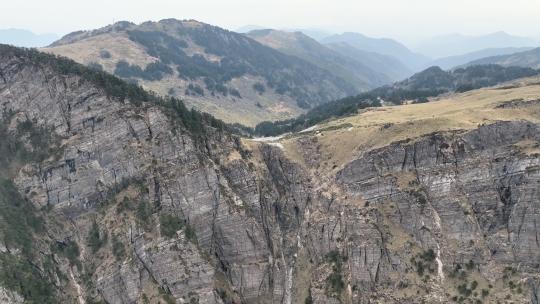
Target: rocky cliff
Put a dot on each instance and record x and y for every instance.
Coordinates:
(133, 208)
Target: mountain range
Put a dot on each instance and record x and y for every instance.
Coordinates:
(25, 38)
(458, 60)
(261, 75)
(457, 44)
(224, 73)
(358, 70)
(384, 46)
(272, 74)
(530, 58)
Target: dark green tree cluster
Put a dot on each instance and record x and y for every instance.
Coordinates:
(170, 224)
(95, 66)
(259, 87)
(424, 261)
(153, 71)
(195, 90)
(68, 249)
(343, 107)
(20, 275)
(118, 248)
(105, 54)
(96, 238)
(240, 56)
(19, 219)
(194, 121)
(335, 283)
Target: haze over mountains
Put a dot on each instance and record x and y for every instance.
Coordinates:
(454, 61)
(529, 58)
(395, 60)
(25, 38)
(383, 46)
(358, 70)
(457, 44)
(446, 50)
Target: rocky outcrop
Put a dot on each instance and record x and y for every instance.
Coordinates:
(411, 222)
(467, 196)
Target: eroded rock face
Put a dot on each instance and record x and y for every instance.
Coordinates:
(263, 229)
(9, 297)
(472, 188)
(469, 197)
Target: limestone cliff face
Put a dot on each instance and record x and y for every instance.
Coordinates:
(412, 222)
(469, 197)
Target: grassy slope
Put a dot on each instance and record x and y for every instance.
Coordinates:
(292, 84)
(117, 44)
(230, 109)
(343, 138)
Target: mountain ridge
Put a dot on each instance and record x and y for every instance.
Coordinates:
(455, 44)
(459, 60)
(384, 46)
(300, 45)
(211, 68)
(529, 58)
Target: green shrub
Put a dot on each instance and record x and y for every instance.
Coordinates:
(485, 293)
(423, 261)
(190, 234)
(144, 212)
(170, 224)
(309, 298)
(334, 281)
(70, 250)
(95, 240)
(259, 87)
(104, 54)
(18, 221)
(21, 276)
(118, 248)
(470, 265)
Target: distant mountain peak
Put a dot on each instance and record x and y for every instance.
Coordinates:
(459, 44)
(212, 68)
(248, 28)
(25, 38)
(384, 46)
(529, 58)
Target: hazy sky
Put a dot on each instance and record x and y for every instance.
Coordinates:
(404, 19)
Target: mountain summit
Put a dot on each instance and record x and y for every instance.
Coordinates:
(225, 73)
